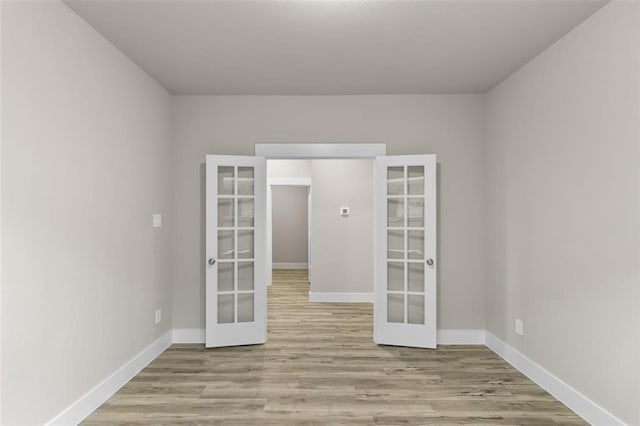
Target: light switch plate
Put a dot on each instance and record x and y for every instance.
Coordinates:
(519, 327)
(157, 220)
(344, 211)
(158, 316)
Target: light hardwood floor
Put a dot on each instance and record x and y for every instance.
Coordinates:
(320, 367)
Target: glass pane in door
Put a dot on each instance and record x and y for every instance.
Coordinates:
(395, 212)
(415, 277)
(415, 180)
(226, 276)
(395, 308)
(225, 308)
(245, 244)
(415, 309)
(245, 212)
(245, 180)
(226, 245)
(245, 275)
(245, 307)
(395, 244)
(415, 245)
(226, 216)
(395, 180)
(395, 276)
(415, 214)
(226, 182)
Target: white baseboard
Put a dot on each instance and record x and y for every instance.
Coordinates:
(577, 402)
(461, 337)
(289, 265)
(341, 297)
(188, 335)
(93, 399)
(574, 400)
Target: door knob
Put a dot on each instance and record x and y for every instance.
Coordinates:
(430, 262)
(212, 262)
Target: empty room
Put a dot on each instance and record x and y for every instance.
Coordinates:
(355, 212)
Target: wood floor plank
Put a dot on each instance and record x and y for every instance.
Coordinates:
(321, 367)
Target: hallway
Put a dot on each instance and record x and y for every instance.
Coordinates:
(320, 366)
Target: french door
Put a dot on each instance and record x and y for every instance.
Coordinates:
(405, 259)
(235, 251)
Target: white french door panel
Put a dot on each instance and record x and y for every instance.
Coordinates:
(236, 303)
(405, 244)
(309, 210)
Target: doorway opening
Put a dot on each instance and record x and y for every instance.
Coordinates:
(401, 247)
(290, 226)
(335, 243)
(288, 215)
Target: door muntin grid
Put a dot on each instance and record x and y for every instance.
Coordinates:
(236, 244)
(405, 258)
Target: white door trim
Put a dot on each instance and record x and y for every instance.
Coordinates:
(286, 181)
(309, 151)
(289, 181)
(320, 150)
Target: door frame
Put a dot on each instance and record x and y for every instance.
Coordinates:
(313, 151)
(317, 151)
(271, 182)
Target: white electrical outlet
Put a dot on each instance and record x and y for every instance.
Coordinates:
(158, 316)
(157, 220)
(519, 327)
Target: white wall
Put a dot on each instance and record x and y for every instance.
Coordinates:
(448, 125)
(564, 207)
(85, 144)
(342, 247)
(290, 228)
(289, 168)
